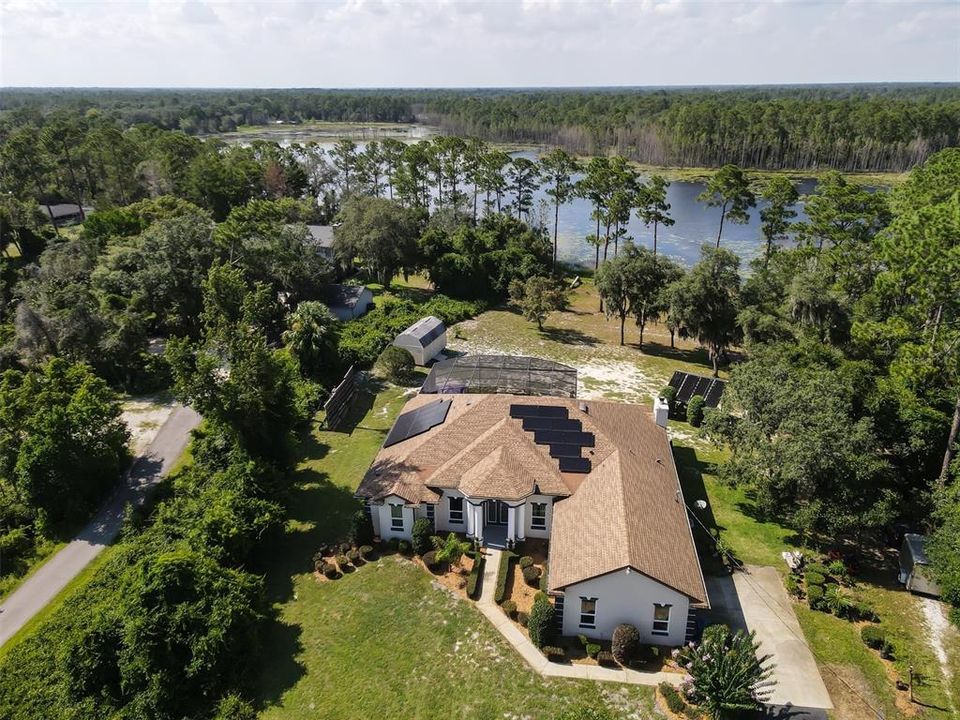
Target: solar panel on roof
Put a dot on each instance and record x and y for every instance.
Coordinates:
(525, 411)
(568, 437)
(431, 335)
(574, 465)
(550, 423)
(559, 450)
(418, 421)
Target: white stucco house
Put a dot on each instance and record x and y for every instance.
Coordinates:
(596, 479)
(425, 339)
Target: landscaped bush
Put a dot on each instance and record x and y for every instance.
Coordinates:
(531, 575)
(692, 713)
(503, 572)
(473, 582)
(404, 547)
(818, 568)
(330, 571)
(815, 596)
(354, 557)
(541, 621)
(345, 548)
(393, 544)
(509, 607)
(669, 393)
(523, 618)
(395, 364)
(544, 575)
(875, 637)
(342, 561)
(605, 657)
(553, 653)
(695, 410)
(422, 531)
(625, 643)
(430, 560)
(792, 586)
(525, 562)
(837, 601)
(675, 703)
(813, 578)
(863, 611)
(318, 561)
(366, 551)
(592, 649)
(838, 569)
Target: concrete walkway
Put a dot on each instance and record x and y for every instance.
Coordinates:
(534, 658)
(54, 575)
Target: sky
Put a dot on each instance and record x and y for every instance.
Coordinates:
(501, 43)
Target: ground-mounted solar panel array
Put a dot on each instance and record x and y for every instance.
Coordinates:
(687, 385)
(503, 374)
(552, 426)
(418, 421)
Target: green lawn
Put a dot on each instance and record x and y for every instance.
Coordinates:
(384, 641)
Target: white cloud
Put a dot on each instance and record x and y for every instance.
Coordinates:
(459, 43)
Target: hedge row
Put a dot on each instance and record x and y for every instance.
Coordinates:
(503, 573)
(473, 582)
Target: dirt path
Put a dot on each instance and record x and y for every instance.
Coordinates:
(938, 626)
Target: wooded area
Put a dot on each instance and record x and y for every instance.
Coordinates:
(841, 412)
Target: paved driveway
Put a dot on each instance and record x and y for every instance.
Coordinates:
(146, 471)
(756, 600)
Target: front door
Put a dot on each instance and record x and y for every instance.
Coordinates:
(496, 512)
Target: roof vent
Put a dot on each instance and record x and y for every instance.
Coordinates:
(584, 408)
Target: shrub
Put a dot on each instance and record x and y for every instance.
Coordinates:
(473, 582)
(354, 557)
(503, 572)
(366, 551)
(525, 562)
(863, 611)
(541, 621)
(837, 601)
(815, 596)
(345, 548)
(695, 410)
(322, 551)
(605, 657)
(792, 586)
(404, 547)
(318, 561)
(509, 607)
(422, 530)
(523, 618)
(813, 578)
(531, 575)
(876, 637)
(544, 576)
(342, 561)
(669, 393)
(430, 560)
(393, 544)
(818, 568)
(592, 649)
(395, 364)
(625, 643)
(330, 571)
(838, 569)
(672, 698)
(554, 653)
(691, 712)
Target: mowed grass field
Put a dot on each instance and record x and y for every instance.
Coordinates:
(385, 641)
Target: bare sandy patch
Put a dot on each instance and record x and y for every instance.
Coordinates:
(144, 417)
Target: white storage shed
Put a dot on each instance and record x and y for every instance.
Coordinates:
(425, 339)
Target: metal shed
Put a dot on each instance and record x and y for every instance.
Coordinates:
(515, 374)
(425, 339)
(914, 566)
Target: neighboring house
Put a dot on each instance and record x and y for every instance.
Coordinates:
(67, 213)
(596, 478)
(348, 301)
(915, 566)
(425, 339)
(321, 238)
(687, 385)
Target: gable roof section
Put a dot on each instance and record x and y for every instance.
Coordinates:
(425, 330)
(344, 295)
(629, 512)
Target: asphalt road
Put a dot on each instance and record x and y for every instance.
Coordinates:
(146, 471)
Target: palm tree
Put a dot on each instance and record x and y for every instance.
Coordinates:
(309, 333)
(450, 549)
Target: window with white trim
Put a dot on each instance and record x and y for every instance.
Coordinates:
(588, 612)
(430, 513)
(538, 516)
(661, 619)
(396, 517)
(456, 511)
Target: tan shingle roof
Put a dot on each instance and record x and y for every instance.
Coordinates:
(623, 513)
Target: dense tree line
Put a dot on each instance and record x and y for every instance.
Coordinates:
(845, 127)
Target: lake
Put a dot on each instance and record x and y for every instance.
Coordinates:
(695, 222)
